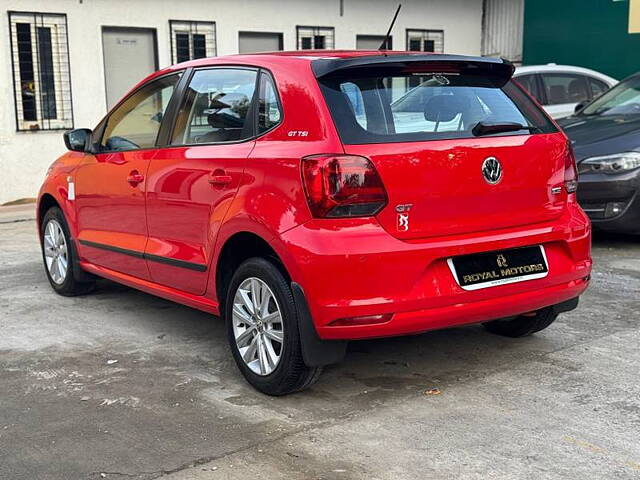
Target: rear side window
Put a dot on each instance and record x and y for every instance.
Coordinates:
(530, 84)
(565, 88)
(268, 107)
(387, 108)
(216, 107)
(597, 87)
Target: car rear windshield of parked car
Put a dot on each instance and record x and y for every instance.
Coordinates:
(386, 108)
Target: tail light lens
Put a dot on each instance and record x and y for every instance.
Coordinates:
(342, 186)
(570, 171)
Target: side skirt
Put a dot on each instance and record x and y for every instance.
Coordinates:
(178, 296)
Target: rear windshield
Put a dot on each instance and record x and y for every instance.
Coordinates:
(382, 108)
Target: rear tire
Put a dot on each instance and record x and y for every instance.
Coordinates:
(266, 343)
(59, 256)
(522, 326)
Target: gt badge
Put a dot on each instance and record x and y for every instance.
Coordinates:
(403, 216)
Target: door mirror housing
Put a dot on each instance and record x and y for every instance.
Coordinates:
(579, 106)
(78, 140)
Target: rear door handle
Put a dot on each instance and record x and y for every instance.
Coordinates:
(220, 177)
(135, 178)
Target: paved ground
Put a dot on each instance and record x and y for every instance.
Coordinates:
(122, 384)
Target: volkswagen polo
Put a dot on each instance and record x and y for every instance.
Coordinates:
(320, 197)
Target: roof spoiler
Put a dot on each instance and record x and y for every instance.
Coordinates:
(499, 69)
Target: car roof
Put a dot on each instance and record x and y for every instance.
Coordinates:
(554, 68)
(291, 56)
(325, 61)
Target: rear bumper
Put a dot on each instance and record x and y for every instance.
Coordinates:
(612, 202)
(354, 268)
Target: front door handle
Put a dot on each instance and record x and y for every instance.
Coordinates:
(135, 178)
(220, 177)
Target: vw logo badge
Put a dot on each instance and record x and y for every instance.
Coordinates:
(491, 170)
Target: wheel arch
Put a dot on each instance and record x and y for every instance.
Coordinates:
(45, 202)
(237, 248)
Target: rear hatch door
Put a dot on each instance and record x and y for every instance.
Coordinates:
(439, 188)
(417, 118)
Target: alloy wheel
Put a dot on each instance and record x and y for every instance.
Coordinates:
(55, 252)
(257, 326)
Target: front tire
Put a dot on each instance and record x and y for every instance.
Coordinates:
(262, 328)
(58, 255)
(522, 326)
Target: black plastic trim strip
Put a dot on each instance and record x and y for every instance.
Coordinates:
(198, 267)
(102, 246)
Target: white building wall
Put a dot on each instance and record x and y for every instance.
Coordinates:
(25, 156)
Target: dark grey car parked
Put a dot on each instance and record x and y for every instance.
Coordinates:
(606, 139)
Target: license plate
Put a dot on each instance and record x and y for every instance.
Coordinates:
(482, 270)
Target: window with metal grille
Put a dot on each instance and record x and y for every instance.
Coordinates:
(40, 67)
(425, 40)
(315, 38)
(191, 40)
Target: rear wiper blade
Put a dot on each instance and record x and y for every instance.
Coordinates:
(482, 128)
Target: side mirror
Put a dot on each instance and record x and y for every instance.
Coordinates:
(77, 140)
(579, 106)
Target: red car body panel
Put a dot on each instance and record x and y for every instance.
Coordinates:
(346, 267)
(185, 211)
(111, 211)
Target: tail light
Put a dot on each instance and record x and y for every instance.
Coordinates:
(570, 171)
(342, 186)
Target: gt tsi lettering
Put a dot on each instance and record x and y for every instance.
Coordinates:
(313, 199)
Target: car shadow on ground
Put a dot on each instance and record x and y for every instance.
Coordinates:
(372, 371)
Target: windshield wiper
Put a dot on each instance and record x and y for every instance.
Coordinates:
(482, 128)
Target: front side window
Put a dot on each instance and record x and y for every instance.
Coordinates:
(136, 122)
(216, 107)
(565, 88)
(379, 108)
(40, 60)
(315, 38)
(191, 40)
(623, 99)
(269, 113)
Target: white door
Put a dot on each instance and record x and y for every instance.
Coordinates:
(129, 56)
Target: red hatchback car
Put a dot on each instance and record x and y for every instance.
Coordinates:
(319, 197)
